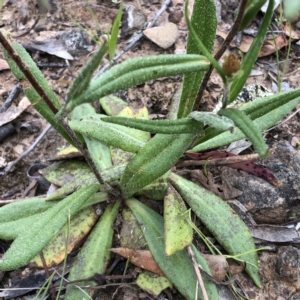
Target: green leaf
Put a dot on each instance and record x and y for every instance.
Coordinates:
(204, 21)
(152, 283)
(138, 70)
(212, 120)
(11, 229)
(94, 255)
(264, 113)
(112, 135)
(186, 125)
(253, 7)
(112, 43)
(34, 238)
(178, 232)
(245, 124)
(112, 105)
(33, 96)
(99, 152)
(83, 79)
(262, 106)
(228, 229)
(152, 161)
(23, 208)
(178, 267)
(247, 64)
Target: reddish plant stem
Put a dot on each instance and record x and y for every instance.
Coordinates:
(24, 68)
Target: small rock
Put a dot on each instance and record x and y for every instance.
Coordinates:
(295, 297)
(175, 15)
(133, 20)
(163, 36)
(288, 264)
(76, 42)
(267, 203)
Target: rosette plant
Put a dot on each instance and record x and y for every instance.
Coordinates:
(123, 161)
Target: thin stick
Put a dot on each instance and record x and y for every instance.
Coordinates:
(234, 30)
(25, 153)
(198, 273)
(24, 68)
(12, 95)
(28, 30)
(219, 161)
(135, 39)
(52, 289)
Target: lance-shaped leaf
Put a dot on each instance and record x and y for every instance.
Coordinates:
(112, 43)
(79, 227)
(178, 232)
(11, 229)
(33, 96)
(212, 120)
(204, 21)
(113, 135)
(228, 229)
(247, 64)
(186, 125)
(84, 77)
(152, 161)
(178, 267)
(245, 124)
(262, 106)
(94, 255)
(99, 152)
(138, 70)
(33, 239)
(23, 208)
(253, 7)
(263, 112)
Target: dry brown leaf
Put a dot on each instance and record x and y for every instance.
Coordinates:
(269, 46)
(294, 35)
(224, 190)
(140, 258)
(234, 267)
(218, 265)
(14, 111)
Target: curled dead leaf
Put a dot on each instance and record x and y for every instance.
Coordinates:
(140, 258)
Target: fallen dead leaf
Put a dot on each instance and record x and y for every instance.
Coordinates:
(14, 111)
(140, 258)
(224, 190)
(268, 46)
(218, 265)
(294, 35)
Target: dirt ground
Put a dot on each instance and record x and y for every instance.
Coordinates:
(30, 21)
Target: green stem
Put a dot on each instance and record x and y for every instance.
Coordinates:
(287, 55)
